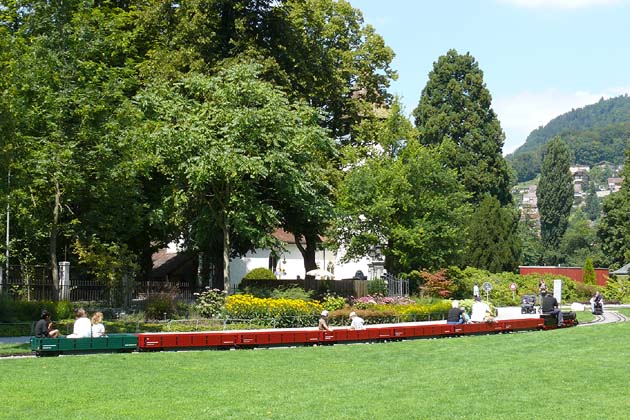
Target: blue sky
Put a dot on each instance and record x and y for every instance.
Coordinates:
(540, 58)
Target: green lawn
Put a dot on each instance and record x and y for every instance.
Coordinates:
(576, 373)
(15, 348)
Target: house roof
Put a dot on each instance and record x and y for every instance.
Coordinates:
(284, 236)
(287, 237)
(625, 270)
(165, 262)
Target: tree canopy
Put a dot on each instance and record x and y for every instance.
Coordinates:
(411, 202)
(493, 240)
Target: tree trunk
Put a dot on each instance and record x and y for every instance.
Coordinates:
(54, 263)
(226, 258)
(201, 273)
(308, 252)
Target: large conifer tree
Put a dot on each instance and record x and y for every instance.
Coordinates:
(555, 196)
(455, 106)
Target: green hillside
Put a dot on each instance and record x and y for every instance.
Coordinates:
(595, 133)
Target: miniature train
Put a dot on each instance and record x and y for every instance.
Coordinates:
(235, 339)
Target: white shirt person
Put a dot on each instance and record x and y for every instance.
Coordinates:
(480, 311)
(357, 322)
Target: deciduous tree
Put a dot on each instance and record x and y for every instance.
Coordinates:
(237, 151)
(412, 202)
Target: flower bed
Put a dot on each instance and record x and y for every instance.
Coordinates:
(382, 309)
(282, 313)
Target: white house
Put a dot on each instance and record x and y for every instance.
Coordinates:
(171, 264)
(290, 264)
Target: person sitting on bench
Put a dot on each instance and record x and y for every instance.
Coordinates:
(550, 307)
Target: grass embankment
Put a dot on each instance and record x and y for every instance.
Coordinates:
(576, 373)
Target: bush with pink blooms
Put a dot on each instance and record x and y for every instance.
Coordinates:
(366, 302)
(378, 309)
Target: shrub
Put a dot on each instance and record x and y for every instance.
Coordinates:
(588, 272)
(371, 316)
(379, 309)
(436, 284)
(64, 310)
(617, 290)
(424, 311)
(293, 292)
(333, 302)
(16, 329)
(366, 302)
(160, 305)
(584, 292)
(377, 287)
(260, 274)
(211, 302)
(247, 289)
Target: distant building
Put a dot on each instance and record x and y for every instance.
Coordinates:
(529, 207)
(530, 199)
(173, 264)
(580, 181)
(602, 194)
(614, 184)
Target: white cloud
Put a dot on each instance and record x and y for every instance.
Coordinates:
(559, 4)
(521, 113)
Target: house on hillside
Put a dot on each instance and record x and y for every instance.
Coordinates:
(529, 207)
(580, 182)
(614, 184)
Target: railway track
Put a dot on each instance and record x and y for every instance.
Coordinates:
(605, 318)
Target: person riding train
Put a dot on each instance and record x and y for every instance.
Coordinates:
(456, 315)
(597, 307)
(550, 307)
(44, 327)
(480, 312)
